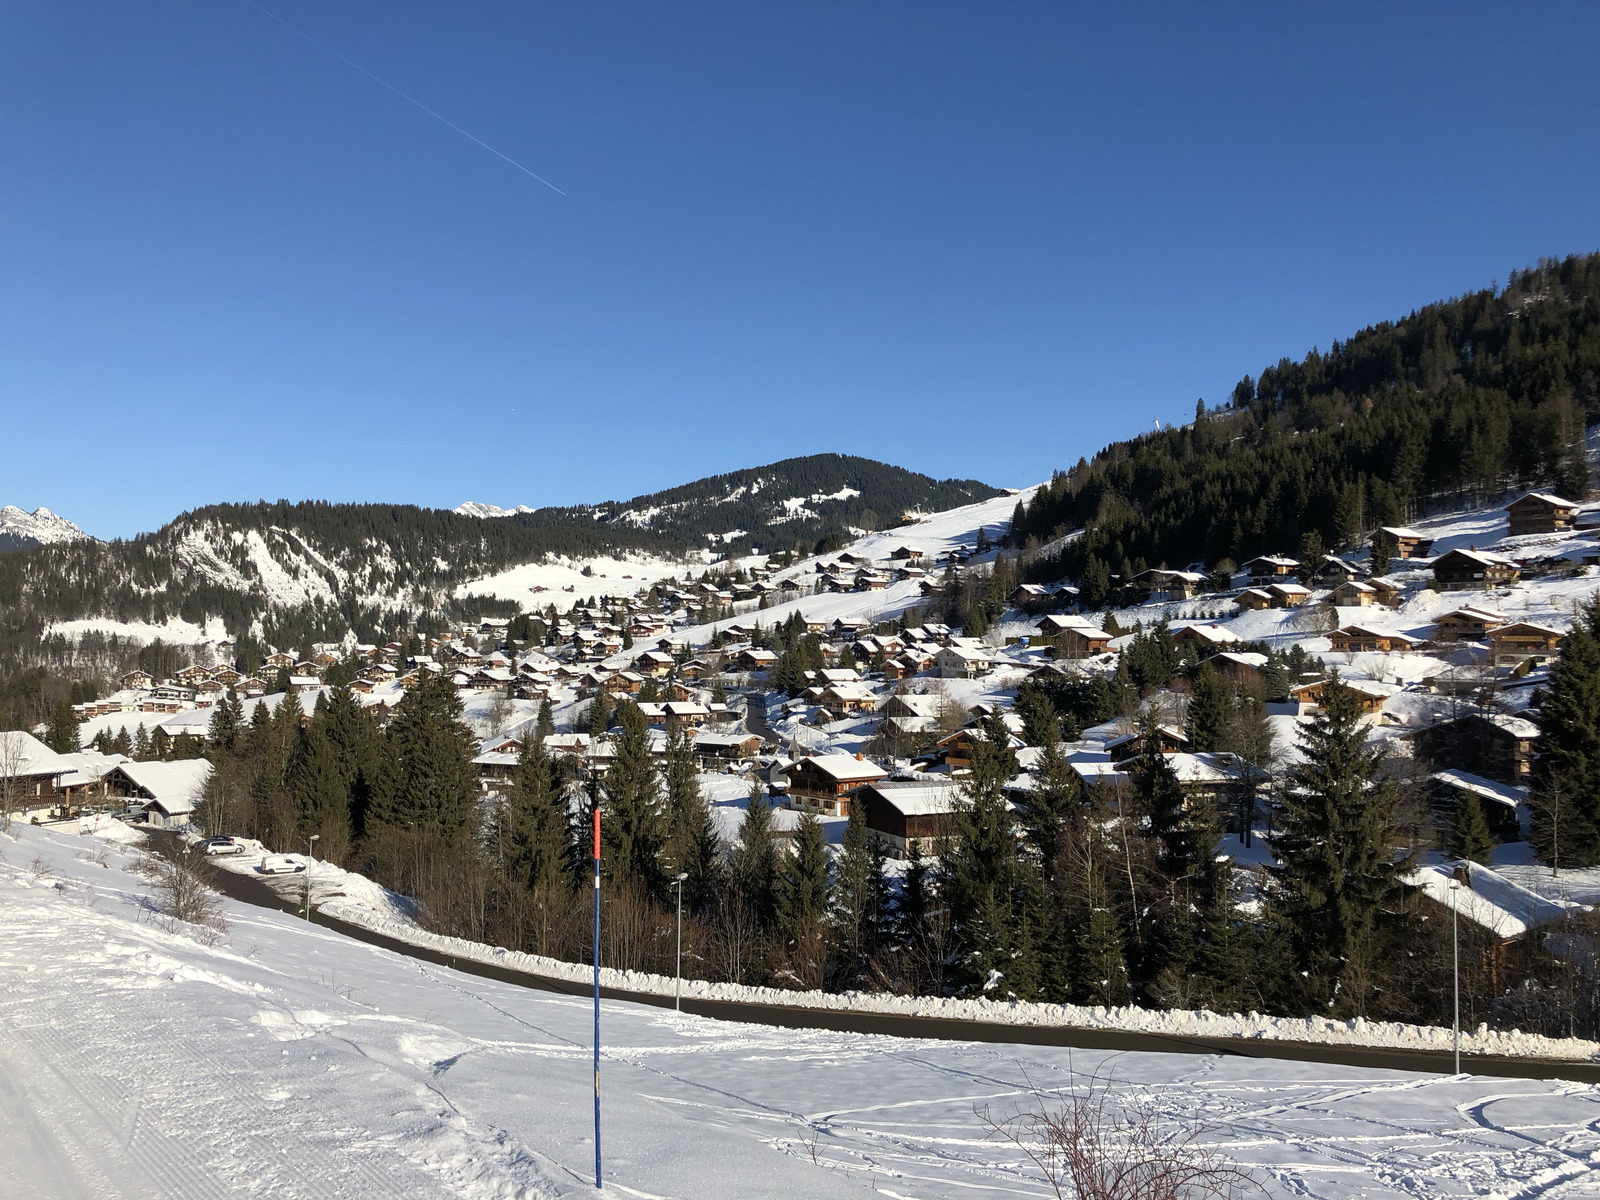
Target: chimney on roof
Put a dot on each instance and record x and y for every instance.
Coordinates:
(858, 756)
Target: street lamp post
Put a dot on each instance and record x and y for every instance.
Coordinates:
(1455, 954)
(315, 837)
(677, 987)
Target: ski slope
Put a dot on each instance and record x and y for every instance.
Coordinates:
(288, 1062)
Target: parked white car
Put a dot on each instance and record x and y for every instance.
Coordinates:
(281, 864)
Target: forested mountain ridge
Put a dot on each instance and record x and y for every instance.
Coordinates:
(1459, 401)
(312, 570)
(774, 507)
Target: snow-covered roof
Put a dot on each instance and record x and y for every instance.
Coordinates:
(1484, 789)
(1546, 497)
(174, 787)
(918, 799)
(23, 754)
(845, 768)
(1489, 899)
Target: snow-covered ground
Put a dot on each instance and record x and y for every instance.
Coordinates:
(562, 582)
(289, 1062)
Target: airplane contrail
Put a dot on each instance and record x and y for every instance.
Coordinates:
(443, 120)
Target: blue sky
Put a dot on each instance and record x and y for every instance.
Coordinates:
(974, 240)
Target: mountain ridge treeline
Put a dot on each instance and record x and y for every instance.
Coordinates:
(1459, 402)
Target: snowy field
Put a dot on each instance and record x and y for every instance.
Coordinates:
(286, 1061)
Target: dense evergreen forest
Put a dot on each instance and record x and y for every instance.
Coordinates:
(1453, 405)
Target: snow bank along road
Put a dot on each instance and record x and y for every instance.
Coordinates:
(440, 952)
(288, 1061)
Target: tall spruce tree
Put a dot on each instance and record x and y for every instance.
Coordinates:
(1566, 772)
(227, 720)
(859, 896)
(428, 784)
(985, 883)
(755, 860)
(1210, 708)
(693, 845)
(62, 736)
(1339, 870)
(546, 724)
(533, 840)
(1470, 837)
(803, 882)
(635, 828)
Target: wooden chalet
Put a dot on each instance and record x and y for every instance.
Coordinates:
(1465, 570)
(1335, 571)
(1494, 745)
(901, 816)
(1132, 745)
(1408, 543)
(1288, 595)
(826, 783)
(1353, 593)
(1245, 668)
(755, 660)
(1371, 699)
(1271, 568)
(963, 662)
(717, 749)
(1517, 643)
(1253, 600)
(1541, 512)
(1364, 639)
(1468, 624)
(1081, 641)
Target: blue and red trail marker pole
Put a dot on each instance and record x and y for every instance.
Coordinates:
(597, 996)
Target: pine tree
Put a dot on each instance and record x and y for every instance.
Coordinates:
(1566, 773)
(1209, 710)
(755, 863)
(1053, 805)
(427, 783)
(635, 825)
(141, 743)
(802, 892)
(858, 895)
(1100, 974)
(318, 778)
(600, 714)
(1339, 870)
(694, 847)
(533, 840)
(122, 743)
(62, 736)
(1383, 550)
(226, 721)
(1470, 838)
(546, 724)
(983, 880)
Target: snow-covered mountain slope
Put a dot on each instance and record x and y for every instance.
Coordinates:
(41, 527)
(476, 508)
(288, 1061)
